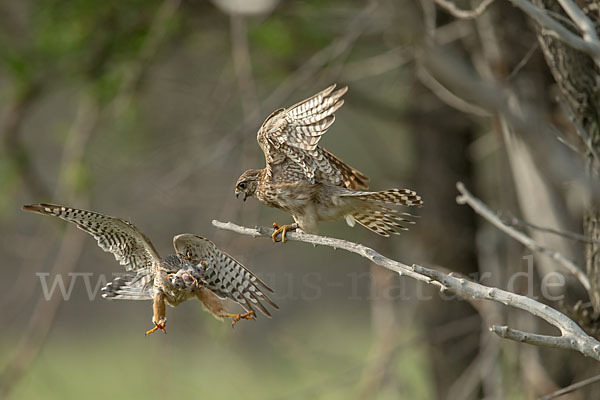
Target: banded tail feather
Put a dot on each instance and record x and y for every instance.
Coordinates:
(375, 215)
(381, 220)
(130, 287)
(401, 197)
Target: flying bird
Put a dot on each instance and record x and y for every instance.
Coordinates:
(197, 269)
(311, 183)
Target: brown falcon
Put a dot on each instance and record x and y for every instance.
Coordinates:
(311, 183)
(197, 269)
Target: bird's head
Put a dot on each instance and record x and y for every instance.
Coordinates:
(247, 183)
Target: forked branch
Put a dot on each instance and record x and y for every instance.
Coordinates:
(480, 208)
(572, 336)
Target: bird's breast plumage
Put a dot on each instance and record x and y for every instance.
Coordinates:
(179, 280)
(292, 197)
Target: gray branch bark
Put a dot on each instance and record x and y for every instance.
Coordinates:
(572, 336)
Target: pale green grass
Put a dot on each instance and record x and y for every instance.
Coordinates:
(322, 360)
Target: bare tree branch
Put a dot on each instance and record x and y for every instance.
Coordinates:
(571, 388)
(572, 336)
(530, 123)
(448, 97)
(134, 76)
(381, 63)
(588, 44)
(464, 14)
(581, 132)
(242, 65)
(480, 208)
(523, 61)
(514, 221)
(583, 22)
(535, 339)
(340, 45)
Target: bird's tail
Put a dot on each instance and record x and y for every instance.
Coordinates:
(400, 197)
(374, 215)
(130, 287)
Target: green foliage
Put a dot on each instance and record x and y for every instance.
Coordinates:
(79, 39)
(17, 65)
(274, 36)
(78, 177)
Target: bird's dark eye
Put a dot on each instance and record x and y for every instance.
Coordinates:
(242, 185)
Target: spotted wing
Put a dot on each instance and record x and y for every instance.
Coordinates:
(130, 247)
(289, 139)
(225, 276)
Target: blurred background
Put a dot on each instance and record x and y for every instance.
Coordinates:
(148, 110)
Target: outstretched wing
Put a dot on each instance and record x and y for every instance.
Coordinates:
(225, 276)
(130, 247)
(289, 139)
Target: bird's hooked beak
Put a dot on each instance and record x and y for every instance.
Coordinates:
(237, 194)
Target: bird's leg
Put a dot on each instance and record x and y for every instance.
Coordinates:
(237, 317)
(196, 283)
(283, 229)
(159, 319)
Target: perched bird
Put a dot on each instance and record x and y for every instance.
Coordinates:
(311, 183)
(197, 269)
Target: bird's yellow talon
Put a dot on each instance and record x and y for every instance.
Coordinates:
(196, 283)
(276, 226)
(158, 325)
(238, 317)
(283, 229)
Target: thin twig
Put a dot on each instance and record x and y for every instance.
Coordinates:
(480, 208)
(523, 61)
(429, 18)
(308, 70)
(457, 12)
(571, 388)
(514, 221)
(242, 65)
(581, 132)
(447, 96)
(135, 74)
(588, 44)
(376, 65)
(568, 145)
(572, 336)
